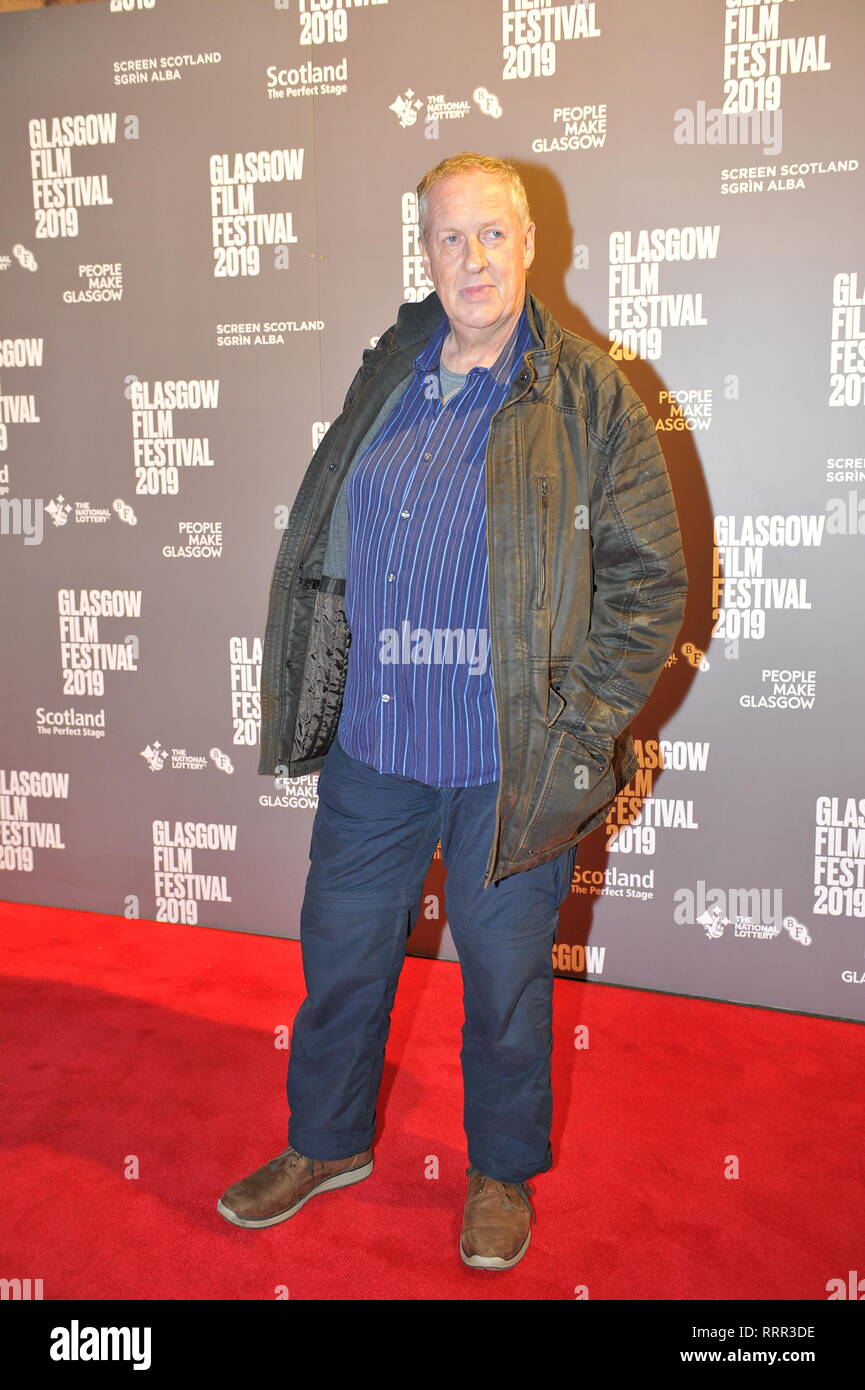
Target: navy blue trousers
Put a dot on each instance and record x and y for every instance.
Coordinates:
(373, 838)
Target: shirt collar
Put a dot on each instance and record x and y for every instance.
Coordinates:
(501, 370)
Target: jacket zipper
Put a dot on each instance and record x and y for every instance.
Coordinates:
(541, 573)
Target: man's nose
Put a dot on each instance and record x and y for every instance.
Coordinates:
(476, 255)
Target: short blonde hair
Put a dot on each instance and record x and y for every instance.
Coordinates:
(466, 163)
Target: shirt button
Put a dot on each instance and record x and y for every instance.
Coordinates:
(385, 697)
(391, 576)
(427, 456)
(405, 513)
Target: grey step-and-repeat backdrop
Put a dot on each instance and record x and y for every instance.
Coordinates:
(208, 212)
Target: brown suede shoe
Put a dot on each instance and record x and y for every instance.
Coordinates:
(277, 1190)
(497, 1223)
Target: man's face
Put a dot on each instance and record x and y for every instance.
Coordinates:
(476, 252)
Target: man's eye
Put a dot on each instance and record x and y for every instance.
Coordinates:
(451, 237)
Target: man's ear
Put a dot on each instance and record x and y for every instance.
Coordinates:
(529, 252)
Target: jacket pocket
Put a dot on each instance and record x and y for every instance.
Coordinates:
(575, 784)
(555, 704)
(542, 530)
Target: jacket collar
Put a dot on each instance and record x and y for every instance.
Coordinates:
(417, 322)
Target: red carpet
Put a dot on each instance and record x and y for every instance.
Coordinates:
(137, 1046)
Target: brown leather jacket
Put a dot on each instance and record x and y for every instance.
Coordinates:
(587, 584)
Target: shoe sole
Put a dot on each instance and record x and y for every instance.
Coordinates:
(494, 1261)
(346, 1179)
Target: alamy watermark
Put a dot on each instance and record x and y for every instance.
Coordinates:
(435, 646)
(22, 516)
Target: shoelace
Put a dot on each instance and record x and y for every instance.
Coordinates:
(291, 1155)
(506, 1196)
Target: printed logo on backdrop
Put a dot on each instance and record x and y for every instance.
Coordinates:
(25, 259)
(684, 408)
(319, 22)
(197, 540)
(181, 760)
(846, 470)
(847, 352)
(757, 59)
(24, 516)
(578, 959)
(742, 914)
(267, 333)
(781, 178)
(180, 882)
(636, 815)
(71, 722)
(292, 793)
(158, 455)
(324, 21)
(58, 193)
(165, 67)
(574, 128)
(237, 231)
(783, 690)
(85, 514)
(84, 656)
(309, 80)
(20, 832)
(532, 33)
(614, 883)
(407, 107)
(16, 408)
(839, 856)
(58, 509)
(742, 593)
(244, 656)
(104, 285)
(59, 512)
(416, 284)
(638, 310)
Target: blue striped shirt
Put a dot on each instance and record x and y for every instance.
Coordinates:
(418, 698)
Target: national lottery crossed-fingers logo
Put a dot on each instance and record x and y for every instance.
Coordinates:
(58, 509)
(154, 755)
(406, 108)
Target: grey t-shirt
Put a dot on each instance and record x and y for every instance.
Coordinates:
(451, 382)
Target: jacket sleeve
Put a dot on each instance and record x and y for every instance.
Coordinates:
(369, 362)
(639, 573)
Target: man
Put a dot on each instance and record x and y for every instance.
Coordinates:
(479, 584)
